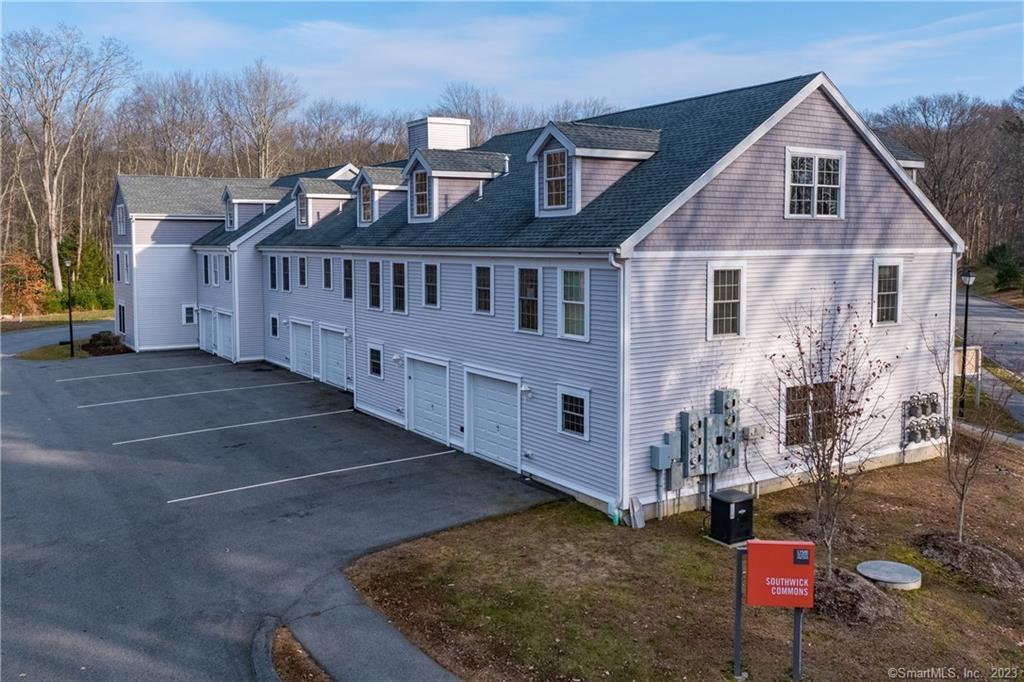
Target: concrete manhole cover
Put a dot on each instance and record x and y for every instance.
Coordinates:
(891, 574)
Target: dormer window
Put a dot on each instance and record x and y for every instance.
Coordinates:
(366, 204)
(554, 179)
(229, 220)
(303, 217)
(420, 194)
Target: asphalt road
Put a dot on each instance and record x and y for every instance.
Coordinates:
(105, 579)
(997, 328)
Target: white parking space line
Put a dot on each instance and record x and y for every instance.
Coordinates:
(231, 426)
(181, 395)
(299, 478)
(209, 365)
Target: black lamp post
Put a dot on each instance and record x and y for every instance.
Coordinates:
(967, 277)
(71, 328)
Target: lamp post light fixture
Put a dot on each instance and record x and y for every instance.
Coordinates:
(967, 277)
(71, 328)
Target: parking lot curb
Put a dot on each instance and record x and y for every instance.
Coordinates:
(262, 659)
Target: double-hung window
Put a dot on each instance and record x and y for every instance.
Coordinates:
(227, 268)
(303, 209)
(286, 274)
(328, 273)
(122, 324)
(346, 279)
(229, 217)
(810, 411)
(574, 412)
(274, 325)
(398, 287)
(302, 271)
(888, 278)
(483, 289)
(573, 314)
(528, 286)
(366, 204)
(117, 267)
(188, 314)
(375, 360)
(815, 183)
(431, 285)
(216, 272)
(421, 196)
(206, 269)
(555, 177)
(122, 223)
(127, 267)
(725, 300)
(373, 285)
(273, 273)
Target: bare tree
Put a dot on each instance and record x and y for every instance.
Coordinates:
(828, 409)
(54, 85)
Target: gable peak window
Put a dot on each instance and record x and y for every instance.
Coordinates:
(366, 204)
(421, 194)
(555, 178)
(815, 183)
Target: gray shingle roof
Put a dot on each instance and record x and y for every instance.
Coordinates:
(325, 186)
(591, 136)
(467, 160)
(219, 236)
(695, 134)
(260, 190)
(384, 175)
(901, 151)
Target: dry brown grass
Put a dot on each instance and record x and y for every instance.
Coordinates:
(291, 661)
(558, 593)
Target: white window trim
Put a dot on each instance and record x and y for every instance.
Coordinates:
(117, 266)
(576, 393)
(562, 301)
(272, 329)
(412, 188)
(195, 314)
(231, 222)
(118, 318)
(303, 202)
(285, 279)
(816, 153)
(423, 281)
(273, 283)
(709, 303)
(126, 266)
(325, 265)
(380, 287)
(405, 285)
(227, 269)
(879, 262)
(206, 270)
(302, 271)
(577, 191)
(371, 346)
(215, 271)
(122, 223)
(352, 268)
(544, 201)
(373, 205)
(489, 313)
(540, 300)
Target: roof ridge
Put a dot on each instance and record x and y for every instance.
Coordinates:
(470, 150)
(607, 125)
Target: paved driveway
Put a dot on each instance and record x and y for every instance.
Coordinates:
(145, 538)
(998, 328)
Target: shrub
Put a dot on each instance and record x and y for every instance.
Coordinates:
(1007, 274)
(25, 287)
(1001, 253)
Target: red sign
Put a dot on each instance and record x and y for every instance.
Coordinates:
(780, 573)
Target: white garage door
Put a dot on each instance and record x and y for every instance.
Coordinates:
(494, 419)
(302, 348)
(428, 399)
(225, 336)
(206, 331)
(333, 349)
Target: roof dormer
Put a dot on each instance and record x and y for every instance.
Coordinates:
(576, 162)
(437, 179)
(316, 198)
(377, 189)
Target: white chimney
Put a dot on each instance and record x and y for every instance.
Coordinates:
(435, 132)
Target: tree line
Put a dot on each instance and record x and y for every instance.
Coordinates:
(74, 114)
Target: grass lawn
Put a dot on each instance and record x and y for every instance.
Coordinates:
(54, 319)
(985, 286)
(557, 592)
(1002, 419)
(55, 352)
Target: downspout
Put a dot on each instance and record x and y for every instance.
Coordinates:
(233, 255)
(623, 430)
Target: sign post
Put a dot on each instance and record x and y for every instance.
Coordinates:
(779, 573)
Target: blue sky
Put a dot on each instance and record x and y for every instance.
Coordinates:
(391, 55)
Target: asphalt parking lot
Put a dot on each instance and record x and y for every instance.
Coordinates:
(156, 506)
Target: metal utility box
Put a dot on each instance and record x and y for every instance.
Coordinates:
(729, 450)
(661, 457)
(714, 438)
(732, 516)
(727, 401)
(691, 427)
(676, 480)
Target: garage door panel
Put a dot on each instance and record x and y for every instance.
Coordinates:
(225, 336)
(428, 393)
(495, 419)
(302, 349)
(334, 351)
(206, 331)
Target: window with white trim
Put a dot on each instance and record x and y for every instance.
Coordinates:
(375, 360)
(726, 286)
(206, 269)
(814, 183)
(328, 273)
(373, 285)
(117, 266)
(121, 219)
(574, 412)
(528, 299)
(275, 325)
(216, 272)
(573, 313)
(229, 217)
(555, 178)
(122, 324)
(366, 203)
(302, 208)
(432, 285)
(888, 277)
(127, 260)
(286, 273)
(421, 195)
(398, 287)
(809, 413)
(188, 314)
(273, 273)
(483, 289)
(346, 279)
(227, 268)
(302, 271)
